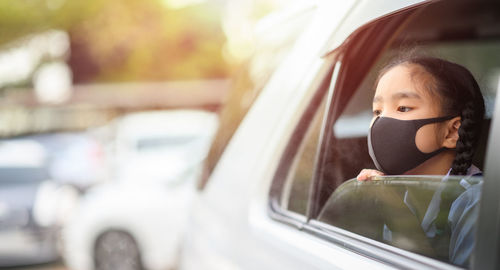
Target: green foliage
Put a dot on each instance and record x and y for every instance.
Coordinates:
(125, 40)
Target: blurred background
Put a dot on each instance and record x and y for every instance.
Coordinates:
(113, 111)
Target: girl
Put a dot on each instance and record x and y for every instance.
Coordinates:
(427, 118)
(427, 114)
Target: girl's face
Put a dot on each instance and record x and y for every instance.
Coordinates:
(399, 96)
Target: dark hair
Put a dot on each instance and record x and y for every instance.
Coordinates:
(459, 95)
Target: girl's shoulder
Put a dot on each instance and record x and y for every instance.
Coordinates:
(474, 171)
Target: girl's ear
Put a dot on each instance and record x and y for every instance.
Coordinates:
(451, 132)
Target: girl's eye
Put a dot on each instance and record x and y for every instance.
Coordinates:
(404, 109)
(376, 112)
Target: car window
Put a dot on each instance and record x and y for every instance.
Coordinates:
(434, 216)
(350, 130)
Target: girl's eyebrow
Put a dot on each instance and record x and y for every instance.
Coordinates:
(397, 96)
(401, 95)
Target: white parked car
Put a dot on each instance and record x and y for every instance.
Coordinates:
(75, 158)
(135, 221)
(265, 205)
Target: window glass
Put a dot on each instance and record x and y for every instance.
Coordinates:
(295, 192)
(433, 216)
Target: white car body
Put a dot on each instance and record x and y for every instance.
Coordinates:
(151, 197)
(230, 227)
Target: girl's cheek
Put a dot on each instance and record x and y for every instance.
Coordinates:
(426, 139)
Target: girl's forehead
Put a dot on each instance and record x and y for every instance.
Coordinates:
(408, 78)
(395, 78)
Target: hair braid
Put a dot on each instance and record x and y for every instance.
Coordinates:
(466, 143)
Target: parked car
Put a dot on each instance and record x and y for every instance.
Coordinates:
(77, 159)
(33, 207)
(305, 138)
(135, 221)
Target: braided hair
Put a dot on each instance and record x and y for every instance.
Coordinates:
(459, 95)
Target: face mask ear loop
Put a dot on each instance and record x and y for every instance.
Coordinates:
(436, 152)
(423, 122)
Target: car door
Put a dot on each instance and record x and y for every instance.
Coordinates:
(384, 220)
(306, 135)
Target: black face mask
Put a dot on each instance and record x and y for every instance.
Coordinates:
(391, 143)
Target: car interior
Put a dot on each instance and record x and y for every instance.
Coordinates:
(466, 32)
